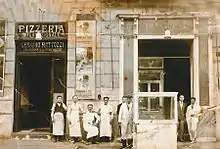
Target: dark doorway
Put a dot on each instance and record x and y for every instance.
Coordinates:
(35, 74)
(177, 76)
(176, 62)
(37, 79)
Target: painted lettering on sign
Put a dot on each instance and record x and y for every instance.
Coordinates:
(47, 30)
(41, 46)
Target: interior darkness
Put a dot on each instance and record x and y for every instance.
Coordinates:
(176, 70)
(35, 72)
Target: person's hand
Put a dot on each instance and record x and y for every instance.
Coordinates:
(119, 123)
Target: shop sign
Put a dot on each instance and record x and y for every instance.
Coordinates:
(49, 30)
(41, 46)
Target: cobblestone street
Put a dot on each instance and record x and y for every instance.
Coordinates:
(47, 144)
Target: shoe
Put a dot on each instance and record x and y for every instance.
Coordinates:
(72, 141)
(181, 140)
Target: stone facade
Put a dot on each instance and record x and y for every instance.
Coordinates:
(107, 43)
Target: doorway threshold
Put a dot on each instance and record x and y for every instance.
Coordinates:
(32, 134)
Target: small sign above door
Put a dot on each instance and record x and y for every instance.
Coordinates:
(47, 30)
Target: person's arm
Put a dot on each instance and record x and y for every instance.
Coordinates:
(80, 109)
(99, 111)
(52, 112)
(69, 110)
(64, 106)
(187, 112)
(120, 114)
(111, 113)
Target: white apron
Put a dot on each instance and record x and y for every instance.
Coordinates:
(73, 117)
(88, 119)
(58, 124)
(105, 126)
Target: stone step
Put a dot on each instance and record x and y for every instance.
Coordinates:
(31, 135)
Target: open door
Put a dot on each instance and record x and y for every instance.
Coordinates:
(17, 125)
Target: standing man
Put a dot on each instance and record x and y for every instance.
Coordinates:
(57, 116)
(90, 123)
(106, 121)
(181, 117)
(192, 115)
(118, 109)
(73, 112)
(125, 120)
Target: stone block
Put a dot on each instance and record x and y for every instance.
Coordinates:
(152, 136)
(106, 81)
(6, 107)
(70, 67)
(70, 92)
(6, 125)
(8, 93)
(9, 67)
(71, 80)
(10, 28)
(10, 55)
(9, 80)
(109, 67)
(108, 27)
(206, 126)
(71, 54)
(10, 42)
(107, 41)
(107, 52)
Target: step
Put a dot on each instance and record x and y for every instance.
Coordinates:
(31, 135)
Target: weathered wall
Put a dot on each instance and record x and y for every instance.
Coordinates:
(107, 52)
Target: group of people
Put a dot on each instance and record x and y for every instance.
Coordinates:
(94, 123)
(189, 114)
(99, 123)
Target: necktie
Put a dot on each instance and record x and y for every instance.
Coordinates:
(128, 107)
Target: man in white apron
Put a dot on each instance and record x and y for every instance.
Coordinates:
(57, 117)
(192, 114)
(106, 121)
(125, 119)
(73, 112)
(90, 123)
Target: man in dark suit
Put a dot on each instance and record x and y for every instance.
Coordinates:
(181, 117)
(124, 98)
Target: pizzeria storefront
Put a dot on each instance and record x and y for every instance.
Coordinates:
(40, 72)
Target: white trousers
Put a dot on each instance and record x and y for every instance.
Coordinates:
(126, 129)
(192, 126)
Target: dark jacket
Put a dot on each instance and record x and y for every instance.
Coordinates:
(118, 108)
(182, 111)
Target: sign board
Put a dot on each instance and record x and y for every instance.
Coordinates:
(41, 37)
(50, 30)
(41, 46)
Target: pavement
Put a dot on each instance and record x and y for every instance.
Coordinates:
(48, 144)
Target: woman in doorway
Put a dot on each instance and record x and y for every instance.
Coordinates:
(57, 116)
(73, 112)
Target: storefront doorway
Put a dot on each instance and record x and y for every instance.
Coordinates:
(164, 66)
(37, 79)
